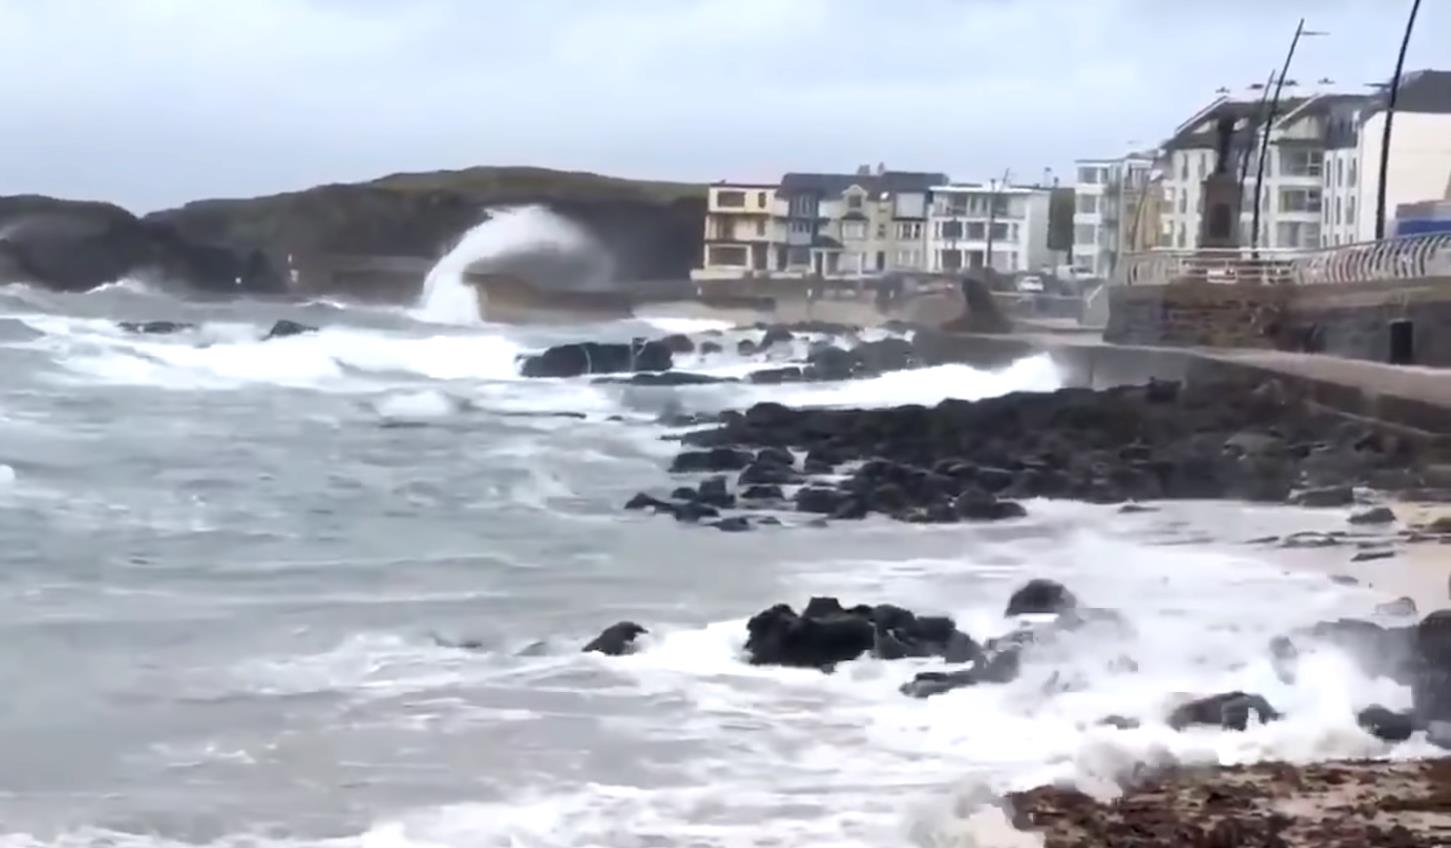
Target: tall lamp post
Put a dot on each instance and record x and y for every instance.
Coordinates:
(1255, 125)
(1385, 142)
(1300, 32)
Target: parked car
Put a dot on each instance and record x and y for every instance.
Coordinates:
(1031, 283)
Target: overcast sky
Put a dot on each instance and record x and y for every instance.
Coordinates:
(150, 103)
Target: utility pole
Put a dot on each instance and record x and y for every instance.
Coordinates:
(1300, 32)
(992, 215)
(1255, 125)
(1385, 143)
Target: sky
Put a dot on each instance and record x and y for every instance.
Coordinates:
(151, 103)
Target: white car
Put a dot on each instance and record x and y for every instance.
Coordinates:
(1030, 283)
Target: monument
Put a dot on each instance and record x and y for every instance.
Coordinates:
(1219, 226)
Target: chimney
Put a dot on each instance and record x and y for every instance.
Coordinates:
(881, 168)
(864, 170)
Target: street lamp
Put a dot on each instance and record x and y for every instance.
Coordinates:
(1300, 32)
(1254, 123)
(1385, 142)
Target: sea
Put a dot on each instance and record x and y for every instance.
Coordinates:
(232, 570)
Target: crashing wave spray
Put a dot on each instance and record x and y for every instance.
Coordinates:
(513, 233)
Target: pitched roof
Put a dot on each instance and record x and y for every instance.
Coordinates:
(829, 184)
(1200, 131)
(1427, 92)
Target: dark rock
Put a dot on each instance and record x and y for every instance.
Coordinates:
(978, 506)
(684, 493)
(993, 479)
(819, 500)
(573, 360)
(1386, 724)
(769, 474)
(1344, 580)
(1398, 607)
(779, 636)
(1162, 391)
(763, 493)
(993, 667)
(710, 347)
(1229, 710)
(616, 640)
(1040, 596)
(1368, 556)
(678, 343)
(832, 364)
(1134, 509)
(777, 376)
(693, 511)
(775, 336)
(776, 456)
(746, 347)
(1374, 515)
(1377, 651)
(284, 327)
(155, 327)
(715, 459)
(851, 509)
(1327, 496)
(815, 467)
(667, 378)
(734, 524)
(644, 501)
(713, 491)
(1119, 722)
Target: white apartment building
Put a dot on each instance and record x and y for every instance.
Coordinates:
(976, 226)
(1321, 174)
(1420, 160)
(1108, 210)
(743, 226)
(829, 225)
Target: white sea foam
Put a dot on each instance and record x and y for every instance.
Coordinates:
(7, 476)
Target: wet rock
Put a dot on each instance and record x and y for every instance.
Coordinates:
(692, 511)
(1369, 556)
(768, 473)
(573, 360)
(1387, 724)
(1135, 509)
(1399, 607)
(775, 336)
(616, 640)
(715, 459)
(684, 493)
(777, 376)
(1326, 496)
(707, 347)
(976, 506)
(1344, 580)
(644, 501)
(819, 499)
(746, 347)
(1001, 666)
(779, 636)
(734, 524)
(1040, 596)
(713, 492)
(155, 327)
(776, 456)
(851, 509)
(284, 327)
(1119, 722)
(1229, 710)
(763, 493)
(678, 343)
(666, 378)
(1374, 515)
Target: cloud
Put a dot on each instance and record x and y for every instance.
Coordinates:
(153, 102)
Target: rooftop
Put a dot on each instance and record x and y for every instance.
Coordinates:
(889, 182)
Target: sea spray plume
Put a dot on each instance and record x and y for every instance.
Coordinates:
(530, 242)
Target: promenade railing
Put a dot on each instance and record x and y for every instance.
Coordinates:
(1405, 258)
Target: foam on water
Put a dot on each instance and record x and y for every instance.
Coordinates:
(447, 299)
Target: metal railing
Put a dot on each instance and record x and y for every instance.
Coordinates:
(1406, 258)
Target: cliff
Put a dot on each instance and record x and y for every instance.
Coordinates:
(78, 245)
(650, 229)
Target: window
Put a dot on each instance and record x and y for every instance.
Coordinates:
(853, 201)
(1088, 204)
(1338, 219)
(761, 200)
(1000, 231)
(854, 230)
(1181, 235)
(1183, 167)
(907, 259)
(909, 230)
(1183, 202)
(1352, 173)
(730, 199)
(1203, 166)
(1085, 234)
(1300, 200)
(1088, 175)
(801, 228)
(1296, 234)
(803, 206)
(1350, 210)
(798, 256)
(1013, 232)
(1340, 172)
(1296, 162)
(951, 260)
(949, 229)
(881, 231)
(761, 226)
(727, 254)
(976, 231)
